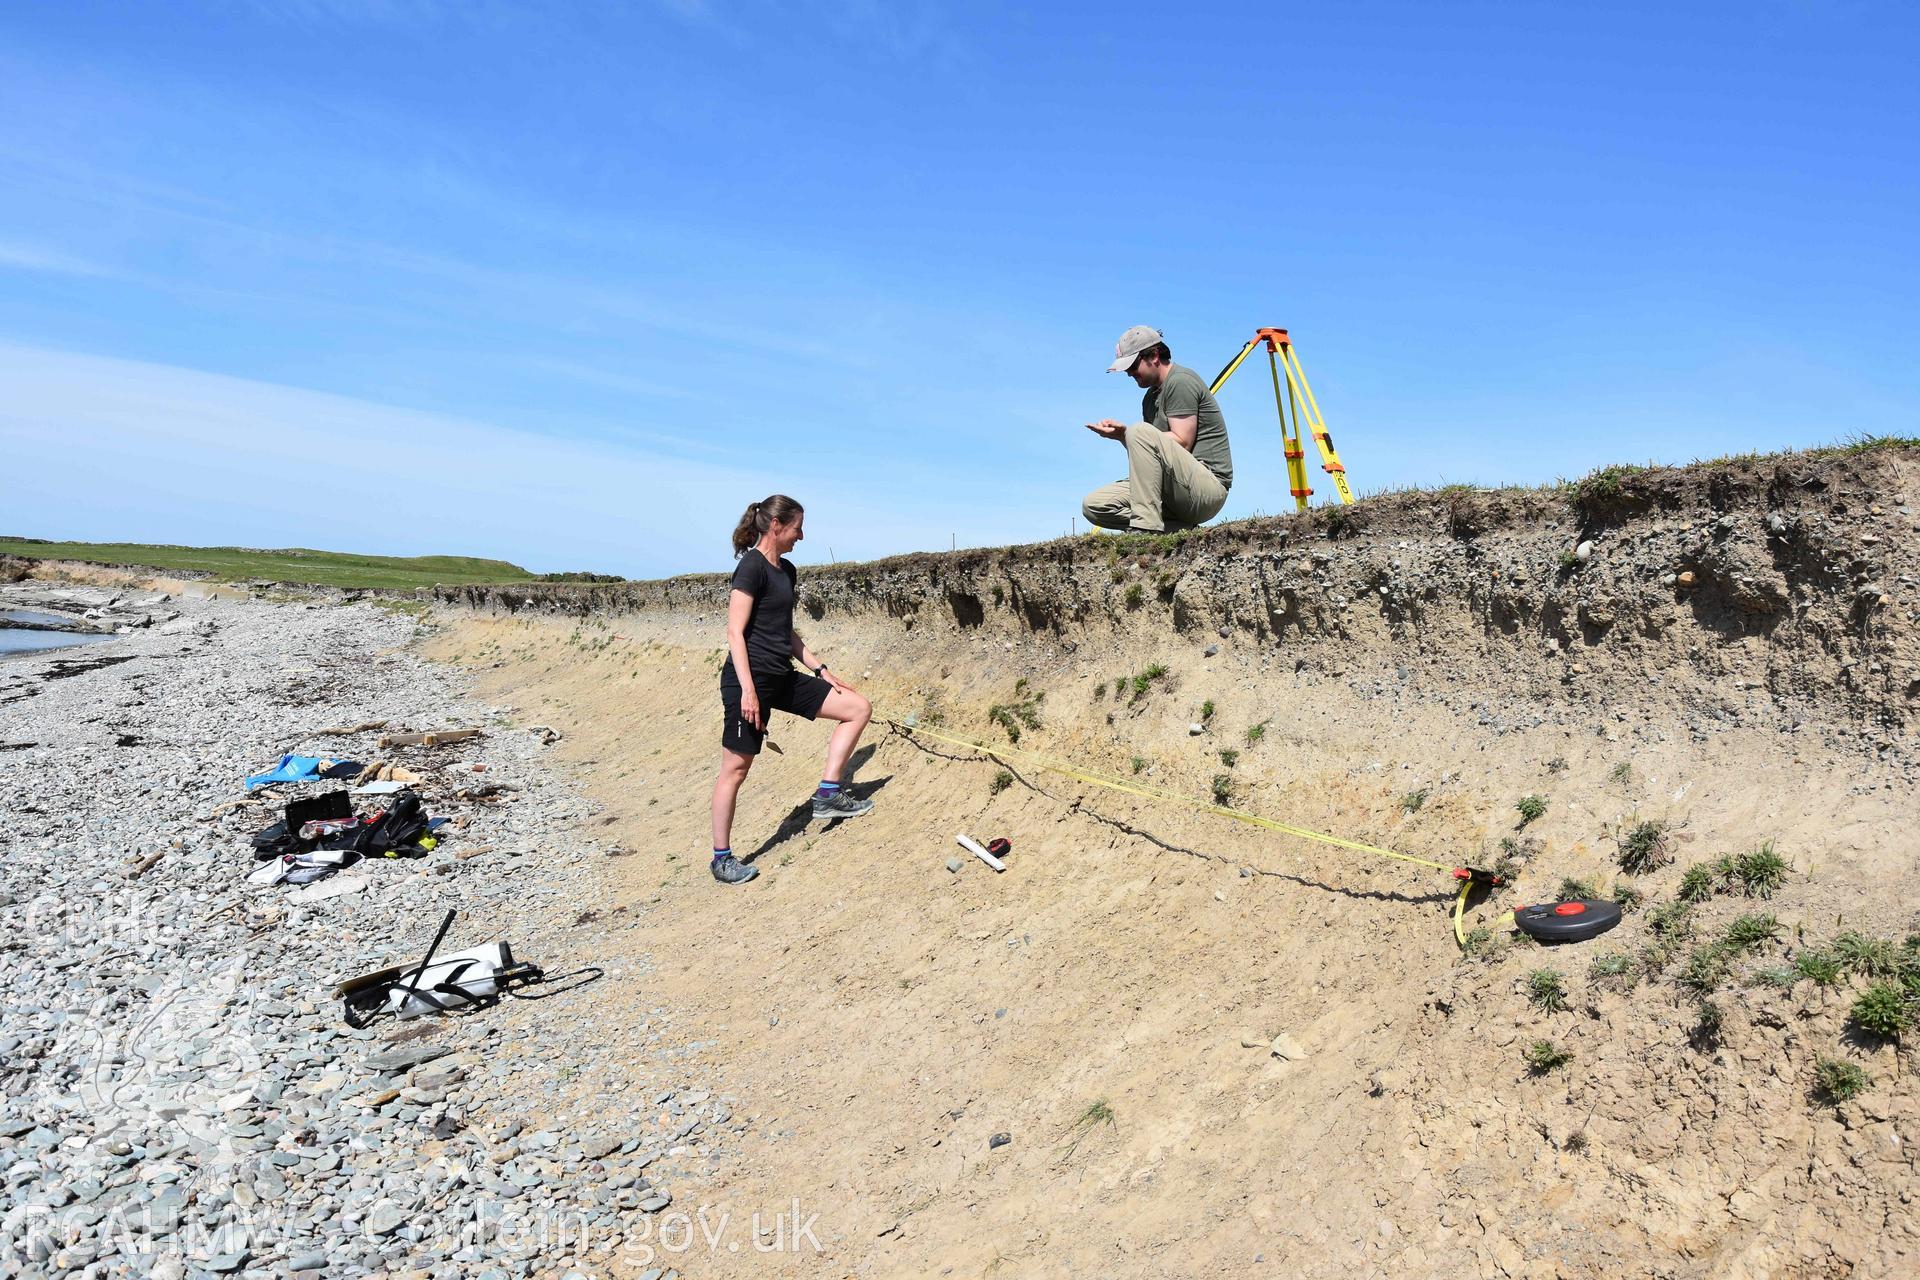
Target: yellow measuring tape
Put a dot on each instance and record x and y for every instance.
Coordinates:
(1467, 876)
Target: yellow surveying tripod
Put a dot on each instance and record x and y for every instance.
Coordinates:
(1280, 353)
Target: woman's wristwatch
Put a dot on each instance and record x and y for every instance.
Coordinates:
(820, 670)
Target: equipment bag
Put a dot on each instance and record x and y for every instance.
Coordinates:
(451, 982)
(470, 979)
(283, 837)
(396, 829)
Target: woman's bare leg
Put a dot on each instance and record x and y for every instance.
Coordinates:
(854, 713)
(733, 772)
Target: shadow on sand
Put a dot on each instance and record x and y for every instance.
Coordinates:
(801, 815)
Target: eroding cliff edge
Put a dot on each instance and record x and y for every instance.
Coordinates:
(1759, 592)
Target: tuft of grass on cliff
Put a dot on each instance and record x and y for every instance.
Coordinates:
(292, 564)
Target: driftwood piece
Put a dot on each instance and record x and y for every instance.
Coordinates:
(219, 809)
(340, 731)
(433, 739)
(383, 771)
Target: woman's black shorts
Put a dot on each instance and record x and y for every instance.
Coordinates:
(791, 691)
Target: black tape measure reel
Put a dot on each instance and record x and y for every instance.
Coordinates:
(1567, 921)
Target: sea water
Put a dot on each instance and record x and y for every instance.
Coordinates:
(14, 640)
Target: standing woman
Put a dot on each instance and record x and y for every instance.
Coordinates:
(759, 678)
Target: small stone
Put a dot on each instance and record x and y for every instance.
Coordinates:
(1210, 650)
(385, 1219)
(655, 1202)
(1584, 552)
(1287, 1049)
(1686, 579)
(998, 1140)
(395, 1061)
(954, 865)
(1195, 730)
(599, 1148)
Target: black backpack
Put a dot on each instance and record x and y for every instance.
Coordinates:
(395, 830)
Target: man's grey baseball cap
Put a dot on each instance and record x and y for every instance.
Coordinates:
(1131, 344)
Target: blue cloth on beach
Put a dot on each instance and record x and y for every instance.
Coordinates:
(298, 770)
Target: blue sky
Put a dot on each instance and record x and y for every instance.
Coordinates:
(570, 284)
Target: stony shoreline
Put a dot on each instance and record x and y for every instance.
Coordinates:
(179, 1095)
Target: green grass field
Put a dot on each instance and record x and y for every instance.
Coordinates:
(293, 564)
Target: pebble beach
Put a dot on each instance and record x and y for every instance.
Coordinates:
(179, 1092)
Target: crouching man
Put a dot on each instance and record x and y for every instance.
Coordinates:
(1179, 467)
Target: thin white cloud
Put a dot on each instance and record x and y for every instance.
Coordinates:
(103, 448)
(611, 379)
(509, 290)
(18, 256)
(383, 13)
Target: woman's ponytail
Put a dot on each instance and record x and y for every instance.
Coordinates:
(759, 516)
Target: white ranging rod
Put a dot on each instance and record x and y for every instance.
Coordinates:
(966, 842)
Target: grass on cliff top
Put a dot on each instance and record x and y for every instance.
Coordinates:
(293, 564)
(1605, 484)
(1869, 444)
(1602, 482)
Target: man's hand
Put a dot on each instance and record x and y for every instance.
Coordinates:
(1109, 429)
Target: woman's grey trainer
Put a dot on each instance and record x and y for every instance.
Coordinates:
(730, 870)
(840, 804)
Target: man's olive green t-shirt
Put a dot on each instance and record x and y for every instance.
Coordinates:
(1183, 395)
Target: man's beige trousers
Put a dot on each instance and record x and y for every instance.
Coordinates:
(1166, 488)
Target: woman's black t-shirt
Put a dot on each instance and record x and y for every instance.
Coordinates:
(770, 624)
